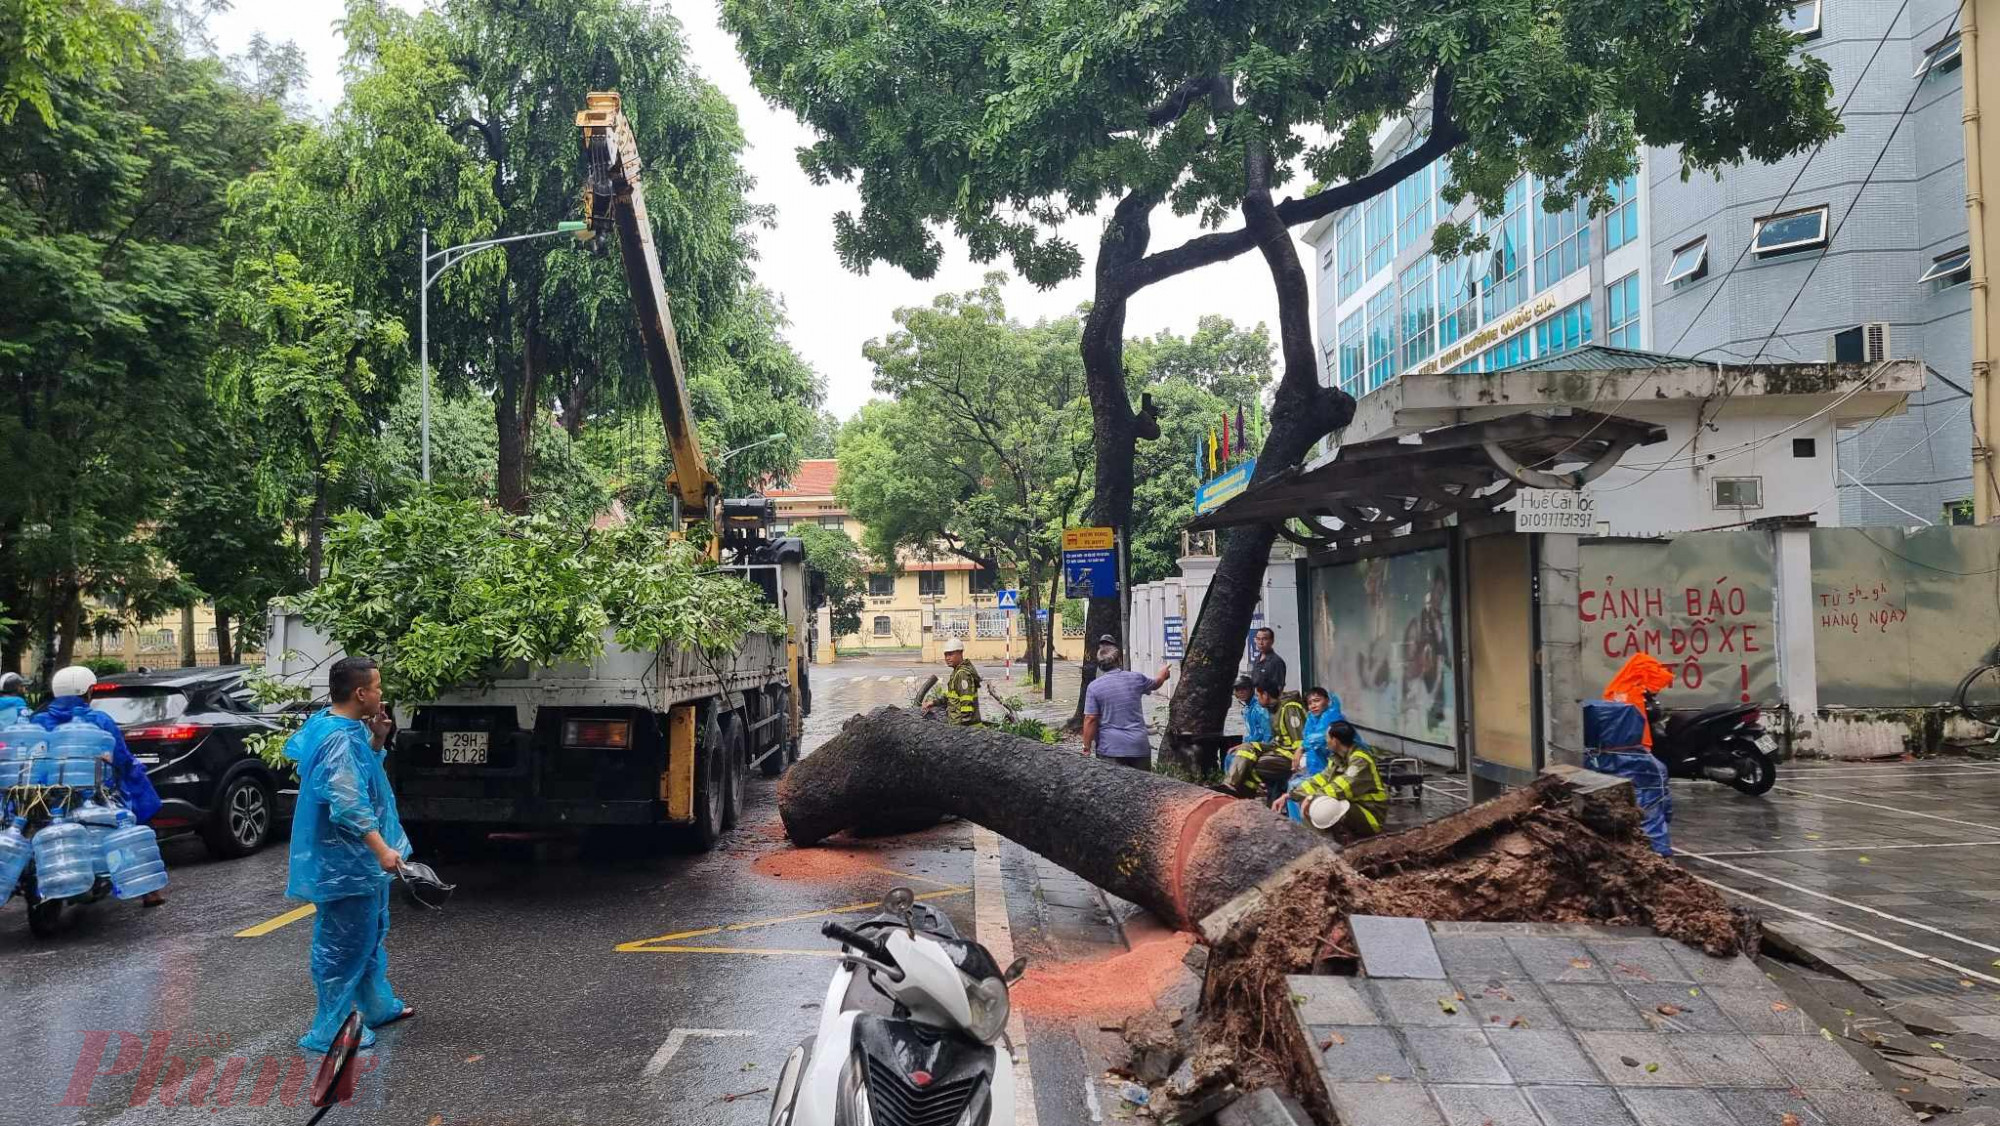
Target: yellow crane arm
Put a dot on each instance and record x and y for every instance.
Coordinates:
(614, 198)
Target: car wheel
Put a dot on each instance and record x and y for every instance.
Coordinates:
(240, 823)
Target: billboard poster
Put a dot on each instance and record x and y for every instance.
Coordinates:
(1382, 642)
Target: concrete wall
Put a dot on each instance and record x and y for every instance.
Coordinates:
(1913, 209)
(1184, 594)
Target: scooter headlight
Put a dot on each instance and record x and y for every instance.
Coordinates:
(851, 1100)
(987, 998)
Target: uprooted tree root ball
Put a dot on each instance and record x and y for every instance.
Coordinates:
(1536, 858)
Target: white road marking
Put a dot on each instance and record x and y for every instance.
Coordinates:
(671, 1046)
(1897, 810)
(1851, 932)
(1852, 906)
(989, 918)
(1848, 848)
(1889, 773)
(1090, 1100)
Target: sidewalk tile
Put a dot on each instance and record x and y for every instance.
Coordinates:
(1548, 1055)
(1478, 957)
(1861, 1108)
(1324, 999)
(1383, 1104)
(1642, 961)
(1484, 1106)
(1393, 947)
(1654, 1063)
(1421, 1004)
(1503, 1004)
(1360, 1053)
(1595, 1007)
(1674, 1106)
(1454, 1055)
(1580, 1106)
(1727, 1060)
(1679, 1008)
(1810, 1061)
(1764, 1107)
(1556, 960)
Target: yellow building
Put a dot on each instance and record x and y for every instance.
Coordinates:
(928, 601)
(161, 643)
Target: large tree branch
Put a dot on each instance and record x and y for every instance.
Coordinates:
(1208, 250)
(1170, 108)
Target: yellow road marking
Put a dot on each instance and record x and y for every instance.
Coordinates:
(269, 925)
(650, 945)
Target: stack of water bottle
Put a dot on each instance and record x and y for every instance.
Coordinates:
(86, 834)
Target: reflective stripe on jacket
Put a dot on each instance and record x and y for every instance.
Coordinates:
(1356, 781)
(961, 695)
(1288, 725)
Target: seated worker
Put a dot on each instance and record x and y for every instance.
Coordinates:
(1347, 799)
(1322, 711)
(959, 693)
(1256, 721)
(1268, 761)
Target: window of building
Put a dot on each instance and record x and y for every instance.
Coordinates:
(930, 584)
(1569, 328)
(1802, 20)
(158, 639)
(1804, 229)
(1507, 353)
(1379, 222)
(210, 643)
(881, 584)
(1739, 492)
(1621, 223)
(881, 625)
(1950, 269)
(1940, 57)
(1624, 330)
(1805, 447)
(981, 580)
(1507, 276)
(1381, 337)
(1562, 240)
(1353, 352)
(780, 527)
(112, 638)
(1458, 298)
(1347, 232)
(1413, 208)
(1419, 314)
(1689, 263)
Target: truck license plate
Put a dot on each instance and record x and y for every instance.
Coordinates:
(465, 748)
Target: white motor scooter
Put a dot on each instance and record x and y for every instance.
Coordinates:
(912, 1033)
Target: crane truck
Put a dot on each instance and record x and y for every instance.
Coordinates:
(649, 741)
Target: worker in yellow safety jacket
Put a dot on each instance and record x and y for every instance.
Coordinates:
(1359, 801)
(960, 692)
(1269, 762)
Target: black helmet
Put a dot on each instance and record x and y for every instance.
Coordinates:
(422, 886)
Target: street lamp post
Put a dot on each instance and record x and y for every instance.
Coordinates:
(764, 441)
(447, 258)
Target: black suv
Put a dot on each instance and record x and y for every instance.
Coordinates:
(187, 728)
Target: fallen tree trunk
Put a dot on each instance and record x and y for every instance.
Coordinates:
(1176, 849)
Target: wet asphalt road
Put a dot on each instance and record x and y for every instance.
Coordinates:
(546, 992)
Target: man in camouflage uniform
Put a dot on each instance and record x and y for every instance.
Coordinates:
(959, 694)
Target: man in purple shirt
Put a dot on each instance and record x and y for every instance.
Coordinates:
(1114, 710)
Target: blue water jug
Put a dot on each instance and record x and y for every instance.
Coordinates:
(132, 852)
(15, 852)
(99, 820)
(27, 745)
(76, 746)
(63, 866)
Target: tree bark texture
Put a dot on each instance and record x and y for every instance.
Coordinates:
(187, 636)
(1302, 413)
(1114, 436)
(224, 653)
(1176, 849)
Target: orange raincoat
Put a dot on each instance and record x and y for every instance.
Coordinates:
(1643, 673)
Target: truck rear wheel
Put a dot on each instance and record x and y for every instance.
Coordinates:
(787, 751)
(711, 783)
(736, 762)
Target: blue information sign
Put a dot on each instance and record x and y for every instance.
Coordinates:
(1090, 574)
(1042, 615)
(1173, 629)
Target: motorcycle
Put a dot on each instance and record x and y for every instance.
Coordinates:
(913, 1030)
(1721, 743)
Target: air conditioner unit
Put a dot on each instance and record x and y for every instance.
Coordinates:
(1863, 344)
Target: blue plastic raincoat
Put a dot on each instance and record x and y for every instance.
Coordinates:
(1256, 722)
(344, 795)
(135, 789)
(1315, 737)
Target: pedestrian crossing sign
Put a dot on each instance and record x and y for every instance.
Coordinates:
(1008, 599)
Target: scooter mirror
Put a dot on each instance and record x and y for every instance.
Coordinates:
(901, 901)
(335, 1081)
(1014, 971)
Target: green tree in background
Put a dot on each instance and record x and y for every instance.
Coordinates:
(842, 574)
(46, 45)
(998, 121)
(222, 539)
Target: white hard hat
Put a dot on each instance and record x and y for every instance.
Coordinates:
(72, 681)
(954, 645)
(1325, 813)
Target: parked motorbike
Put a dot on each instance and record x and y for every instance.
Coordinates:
(1722, 743)
(912, 1031)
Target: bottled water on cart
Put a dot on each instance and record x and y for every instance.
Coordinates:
(100, 820)
(76, 746)
(63, 866)
(132, 852)
(15, 852)
(27, 745)
(11, 766)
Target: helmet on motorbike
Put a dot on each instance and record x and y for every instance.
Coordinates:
(422, 886)
(1325, 813)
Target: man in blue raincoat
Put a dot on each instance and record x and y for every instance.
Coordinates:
(71, 687)
(346, 844)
